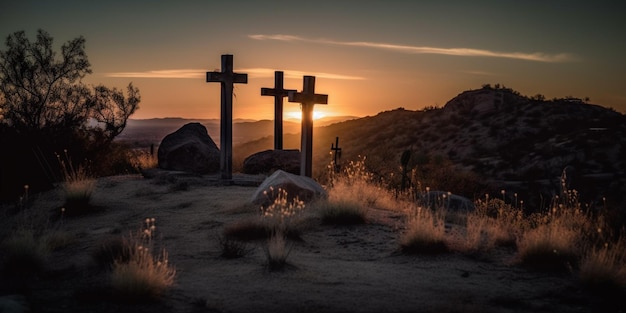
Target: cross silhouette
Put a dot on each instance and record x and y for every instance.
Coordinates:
(308, 98)
(278, 92)
(336, 152)
(227, 78)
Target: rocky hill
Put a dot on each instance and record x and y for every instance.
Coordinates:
(510, 140)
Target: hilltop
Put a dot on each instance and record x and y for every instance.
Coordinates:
(492, 134)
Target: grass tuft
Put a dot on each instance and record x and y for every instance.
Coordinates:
(341, 212)
(146, 274)
(605, 267)
(77, 187)
(277, 252)
(232, 248)
(425, 232)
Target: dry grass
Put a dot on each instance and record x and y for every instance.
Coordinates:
(492, 224)
(24, 253)
(233, 248)
(425, 232)
(341, 212)
(146, 274)
(77, 186)
(605, 267)
(277, 252)
(355, 184)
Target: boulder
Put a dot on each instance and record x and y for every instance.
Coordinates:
(305, 188)
(266, 162)
(189, 149)
(449, 201)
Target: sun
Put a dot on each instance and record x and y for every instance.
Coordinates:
(298, 115)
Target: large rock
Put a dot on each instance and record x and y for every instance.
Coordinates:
(305, 188)
(266, 162)
(189, 149)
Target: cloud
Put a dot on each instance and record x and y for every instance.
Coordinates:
(536, 56)
(179, 73)
(252, 73)
(268, 72)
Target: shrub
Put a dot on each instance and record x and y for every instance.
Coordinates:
(425, 232)
(145, 275)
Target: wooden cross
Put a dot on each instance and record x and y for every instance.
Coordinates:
(308, 98)
(278, 92)
(337, 152)
(227, 78)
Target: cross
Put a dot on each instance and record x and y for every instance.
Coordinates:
(308, 98)
(227, 78)
(337, 152)
(278, 92)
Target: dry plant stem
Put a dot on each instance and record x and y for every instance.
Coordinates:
(144, 275)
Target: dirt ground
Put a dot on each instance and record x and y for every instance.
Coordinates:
(331, 269)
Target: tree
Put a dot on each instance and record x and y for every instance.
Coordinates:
(45, 107)
(39, 92)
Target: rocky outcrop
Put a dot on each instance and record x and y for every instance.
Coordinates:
(266, 162)
(189, 149)
(302, 187)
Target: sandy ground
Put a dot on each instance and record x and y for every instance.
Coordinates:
(332, 269)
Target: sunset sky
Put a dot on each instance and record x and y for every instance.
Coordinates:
(368, 56)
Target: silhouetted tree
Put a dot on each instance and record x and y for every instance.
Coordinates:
(46, 108)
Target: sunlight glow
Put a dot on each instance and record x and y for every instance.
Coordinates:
(298, 115)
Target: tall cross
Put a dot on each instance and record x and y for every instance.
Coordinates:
(278, 92)
(337, 152)
(308, 98)
(227, 78)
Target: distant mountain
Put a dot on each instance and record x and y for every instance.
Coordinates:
(509, 139)
(144, 132)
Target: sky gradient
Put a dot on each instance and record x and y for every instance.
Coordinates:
(368, 56)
